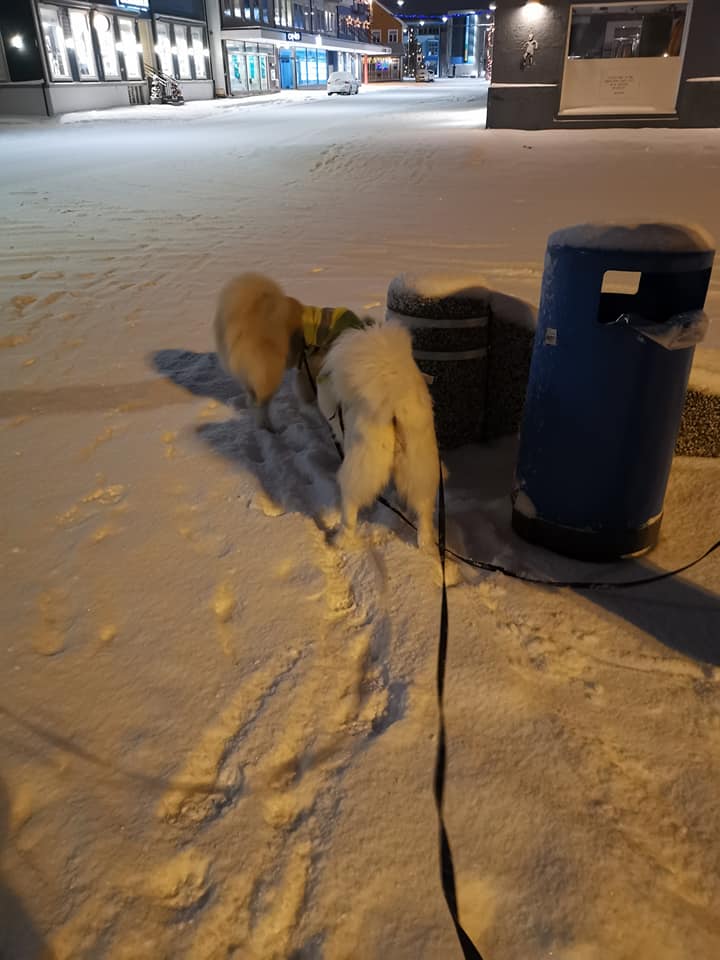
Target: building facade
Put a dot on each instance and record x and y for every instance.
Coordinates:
(261, 46)
(563, 64)
(451, 43)
(386, 30)
(64, 55)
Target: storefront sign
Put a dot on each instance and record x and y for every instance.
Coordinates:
(295, 36)
(138, 6)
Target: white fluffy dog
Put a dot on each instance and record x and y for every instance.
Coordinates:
(379, 407)
(367, 380)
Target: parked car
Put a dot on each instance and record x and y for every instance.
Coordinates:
(341, 81)
(424, 75)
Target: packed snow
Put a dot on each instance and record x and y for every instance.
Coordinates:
(217, 728)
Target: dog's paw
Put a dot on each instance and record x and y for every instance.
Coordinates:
(453, 574)
(348, 540)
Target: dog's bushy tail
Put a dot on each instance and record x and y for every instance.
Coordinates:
(374, 367)
(373, 371)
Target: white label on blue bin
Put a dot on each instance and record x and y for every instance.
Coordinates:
(551, 337)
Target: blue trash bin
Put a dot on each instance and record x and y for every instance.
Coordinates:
(607, 385)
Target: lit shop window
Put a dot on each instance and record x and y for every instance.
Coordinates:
(198, 49)
(4, 73)
(106, 44)
(129, 47)
(182, 52)
(54, 40)
(82, 43)
(163, 49)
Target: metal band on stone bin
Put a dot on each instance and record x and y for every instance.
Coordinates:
(450, 338)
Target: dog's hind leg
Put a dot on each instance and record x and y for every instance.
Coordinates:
(426, 536)
(365, 471)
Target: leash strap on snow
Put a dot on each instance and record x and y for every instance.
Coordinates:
(571, 584)
(498, 568)
(447, 868)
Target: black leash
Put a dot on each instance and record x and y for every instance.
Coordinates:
(447, 868)
(571, 584)
(498, 568)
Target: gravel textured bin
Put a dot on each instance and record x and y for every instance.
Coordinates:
(475, 343)
(512, 332)
(449, 326)
(699, 434)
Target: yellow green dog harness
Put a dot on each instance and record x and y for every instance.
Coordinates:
(322, 325)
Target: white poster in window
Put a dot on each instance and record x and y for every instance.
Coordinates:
(164, 49)
(182, 52)
(82, 40)
(54, 40)
(129, 47)
(106, 44)
(198, 48)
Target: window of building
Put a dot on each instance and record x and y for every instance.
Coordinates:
(622, 31)
(376, 36)
(197, 38)
(82, 44)
(4, 72)
(129, 47)
(392, 36)
(54, 40)
(624, 58)
(283, 13)
(182, 51)
(105, 33)
(163, 48)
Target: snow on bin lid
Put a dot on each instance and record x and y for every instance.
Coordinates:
(438, 295)
(432, 286)
(635, 237)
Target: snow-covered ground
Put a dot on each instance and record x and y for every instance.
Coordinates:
(217, 731)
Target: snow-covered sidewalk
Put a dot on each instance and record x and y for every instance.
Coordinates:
(217, 730)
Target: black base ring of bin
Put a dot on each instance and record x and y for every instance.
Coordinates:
(589, 545)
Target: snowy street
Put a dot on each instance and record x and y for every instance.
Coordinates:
(218, 730)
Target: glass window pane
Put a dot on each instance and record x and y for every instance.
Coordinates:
(198, 47)
(311, 67)
(183, 54)
(627, 30)
(129, 47)
(4, 73)
(82, 41)
(163, 49)
(54, 43)
(106, 44)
